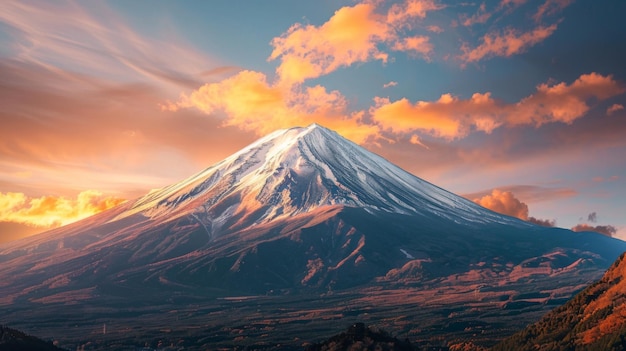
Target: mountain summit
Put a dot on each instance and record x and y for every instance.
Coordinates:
(300, 228)
(299, 170)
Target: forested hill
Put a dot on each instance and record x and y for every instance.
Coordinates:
(14, 340)
(594, 319)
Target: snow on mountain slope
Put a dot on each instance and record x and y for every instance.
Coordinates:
(298, 170)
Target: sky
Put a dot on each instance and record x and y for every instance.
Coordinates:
(519, 105)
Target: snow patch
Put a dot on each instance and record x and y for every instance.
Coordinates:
(408, 255)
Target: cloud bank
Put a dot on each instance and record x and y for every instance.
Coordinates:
(53, 211)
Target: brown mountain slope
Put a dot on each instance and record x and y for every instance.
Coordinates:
(595, 319)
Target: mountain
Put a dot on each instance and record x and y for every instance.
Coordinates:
(289, 239)
(595, 319)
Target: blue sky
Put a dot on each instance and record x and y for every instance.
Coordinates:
(517, 104)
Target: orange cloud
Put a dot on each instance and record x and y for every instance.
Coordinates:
(52, 211)
(505, 44)
(249, 102)
(435, 29)
(417, 45)
(504, 202)
(351, 35)
(607, 230)
(562, 102)
(481, 16)
(399, 15)
(415, 140)
(551, 7)
(450, 117)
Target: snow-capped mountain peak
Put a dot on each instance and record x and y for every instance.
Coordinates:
(297, 170)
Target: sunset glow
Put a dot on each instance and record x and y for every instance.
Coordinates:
(516, 105)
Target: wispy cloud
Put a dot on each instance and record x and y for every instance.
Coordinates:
(390, 84)
(551, 7)
(68, 36)
(480, 17)
(614, 108)
(79, 94)
(505, 43)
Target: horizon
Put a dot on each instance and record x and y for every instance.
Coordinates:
(517, 105)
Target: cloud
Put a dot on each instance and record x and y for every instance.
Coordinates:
(614, 108)
(353, 34)
(249, 102)
(506, 203)
(602, 179)
(592, 217)
(511, 3)
(435, 29)
(82, 129)
(451, 117)
(551, 7)
(480, 17)
(542, 222)
(400, 15)
(530, 193)
(52, 211)
(99, 41)
(505, 44)
(350, 35)
(390, 84)
(415, 140)
(418, 46)
(564, 103)
(607, 230)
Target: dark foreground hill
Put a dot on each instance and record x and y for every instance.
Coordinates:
(359, 338)
(595, 319)
(14, 340)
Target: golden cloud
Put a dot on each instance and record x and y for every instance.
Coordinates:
(53, 211)
(450, 117)
(251, 103)
(351, 35)
(504, 202)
